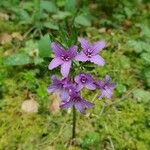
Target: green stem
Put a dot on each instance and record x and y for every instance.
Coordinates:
(74, 123)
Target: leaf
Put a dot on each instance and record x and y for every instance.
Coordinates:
(17, 59)
(141, 95)
(61, 15)
(147, 76)
(44, 46)
(83, 20)
(70, 5)
(49, 6)
(50, 25)
(38, 60)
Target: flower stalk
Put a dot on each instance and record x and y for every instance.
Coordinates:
(74, 123)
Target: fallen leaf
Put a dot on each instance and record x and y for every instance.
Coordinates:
(30, 106)
(54, 107)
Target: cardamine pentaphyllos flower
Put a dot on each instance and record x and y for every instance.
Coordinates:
(85, 80)
(61, 86)
(90, 52)
(62, 57)
(79, 103)
(106, 87)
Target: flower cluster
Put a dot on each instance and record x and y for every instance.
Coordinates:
(70, 88)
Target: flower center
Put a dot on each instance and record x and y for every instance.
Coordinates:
(89, 53)
(83, 79)
(65, 57)
(76, 99)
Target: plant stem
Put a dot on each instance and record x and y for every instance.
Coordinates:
(74, 123)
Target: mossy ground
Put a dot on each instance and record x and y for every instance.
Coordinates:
(120, 124)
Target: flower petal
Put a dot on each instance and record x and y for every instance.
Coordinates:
(64, 94)
(65, 68)
(84, 43)
(100, 83)
(81, 57)
(106, 93)
(52, 88)
(98, 46)
(55, 63)
(57, 49)
(97, 60)
(91, 86)
(72, 51)
(80, 107)
(87, 103)
(80, 86)
(107, 78)
(66, 105)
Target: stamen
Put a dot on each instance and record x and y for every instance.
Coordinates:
(65, 58)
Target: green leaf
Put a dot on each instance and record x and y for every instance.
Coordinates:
(141, 95)
(38, 60)
(70, 5)
(17, 59)
(83, 20)
(50, 25)
(49, 6)
(61, 15)
(44, 46)
(147, 76)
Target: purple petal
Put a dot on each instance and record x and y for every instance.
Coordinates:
(106, 93)
(112, 85)
(64, 94)
(66, 105)
(98, 46)
(87, 103)
(84, 43)
(72, 51)
(97, 60)
(52, 88)
(55, 63)
(81, 57)
(65, 68)
(77, 79)
(57, 49)
(80, 86)
(80, 107)
(107, 78)
(100, 83)
(91, 86)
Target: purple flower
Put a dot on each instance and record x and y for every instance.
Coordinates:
(62, 57)
(106, 87)
(76, 101)
(61, 86)
(85, 80)
(90, 52)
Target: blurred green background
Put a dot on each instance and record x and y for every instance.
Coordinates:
(26, 29)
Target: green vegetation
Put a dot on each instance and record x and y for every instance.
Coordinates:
(26, 30)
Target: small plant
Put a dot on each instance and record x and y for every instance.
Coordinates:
(70, 86)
